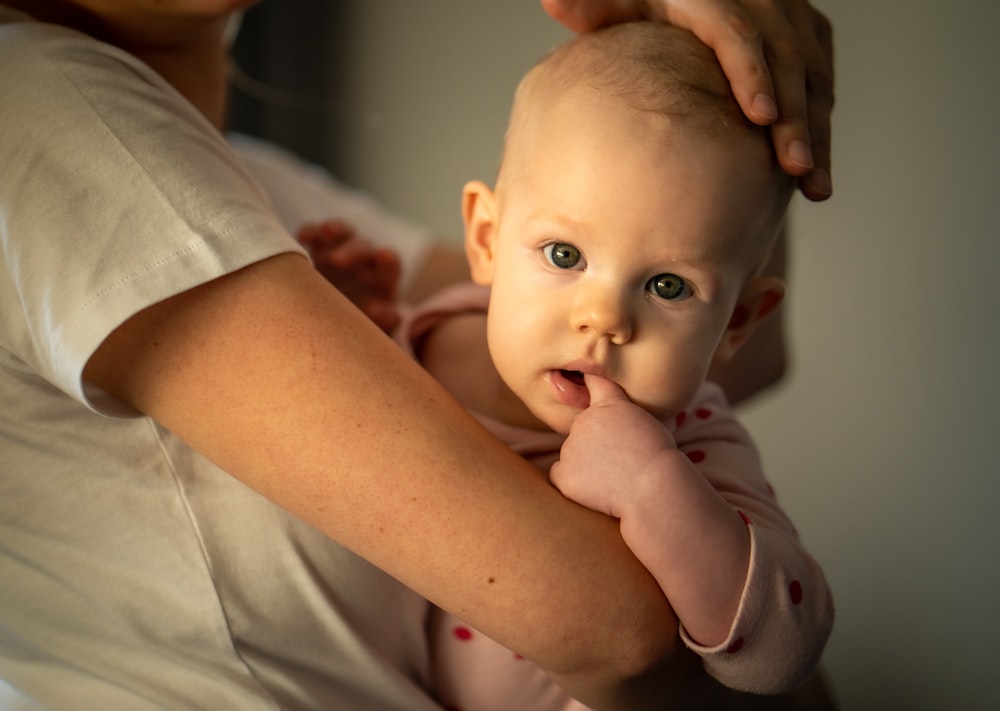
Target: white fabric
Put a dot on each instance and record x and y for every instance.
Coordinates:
(133, 573)
(304, 193)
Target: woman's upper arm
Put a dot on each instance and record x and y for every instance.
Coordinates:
(274, 376)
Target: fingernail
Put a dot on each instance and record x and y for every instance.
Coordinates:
(821, 182)
(799, 154)
(764, 106)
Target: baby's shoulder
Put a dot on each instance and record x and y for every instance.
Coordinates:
(455, 352)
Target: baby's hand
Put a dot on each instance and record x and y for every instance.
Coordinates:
(365, 274)
(609, 445)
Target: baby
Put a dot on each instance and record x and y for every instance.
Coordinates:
(617, 258)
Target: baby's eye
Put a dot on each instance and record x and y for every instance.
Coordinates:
(669, 286)
(562, 255)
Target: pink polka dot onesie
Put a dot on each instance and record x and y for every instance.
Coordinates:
(785, 613)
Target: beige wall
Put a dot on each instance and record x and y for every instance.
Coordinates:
(428, 94)
(882, 441)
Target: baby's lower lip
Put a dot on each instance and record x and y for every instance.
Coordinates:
(569, 388)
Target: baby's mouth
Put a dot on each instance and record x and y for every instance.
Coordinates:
(570, 388)
(574, 376)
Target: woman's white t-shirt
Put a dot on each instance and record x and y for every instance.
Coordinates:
(133, 573)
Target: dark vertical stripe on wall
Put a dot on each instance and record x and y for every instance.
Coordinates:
(289, 51)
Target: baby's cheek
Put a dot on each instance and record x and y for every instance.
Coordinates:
(670, 388)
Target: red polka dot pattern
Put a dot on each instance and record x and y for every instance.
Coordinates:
(795, 592)
(462, 633)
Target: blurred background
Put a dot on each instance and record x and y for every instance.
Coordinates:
(879, 440)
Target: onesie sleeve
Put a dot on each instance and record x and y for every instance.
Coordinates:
(115, 194)
(786, 610)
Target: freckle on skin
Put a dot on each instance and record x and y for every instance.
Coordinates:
(492, 580)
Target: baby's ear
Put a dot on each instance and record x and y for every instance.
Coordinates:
(479, 213)
(759, 298)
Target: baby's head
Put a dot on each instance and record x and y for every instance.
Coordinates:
(633, 211)
(645, 68)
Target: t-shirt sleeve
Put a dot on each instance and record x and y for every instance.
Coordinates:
(116, 194)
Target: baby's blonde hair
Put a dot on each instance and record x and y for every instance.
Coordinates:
(649, 66)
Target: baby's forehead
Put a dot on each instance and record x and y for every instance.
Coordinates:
(706, 247)
(667, 112)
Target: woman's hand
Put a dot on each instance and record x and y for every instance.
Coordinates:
(778, 55)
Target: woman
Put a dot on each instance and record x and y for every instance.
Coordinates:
(191, 413)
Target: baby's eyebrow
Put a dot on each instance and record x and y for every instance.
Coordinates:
(699, 263)
(560, 220)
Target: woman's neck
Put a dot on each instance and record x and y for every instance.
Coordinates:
(188, 52)
(197, 70)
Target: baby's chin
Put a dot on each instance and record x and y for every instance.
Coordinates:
(558, 420)
(664, 408)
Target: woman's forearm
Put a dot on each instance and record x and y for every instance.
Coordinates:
(274, 376)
